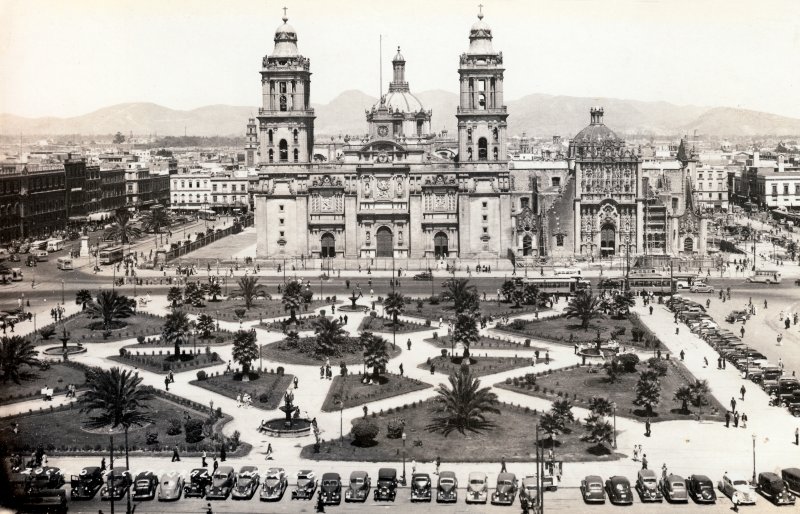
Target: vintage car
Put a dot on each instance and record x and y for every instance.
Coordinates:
(247, 482)
(358, 490)
(45, 477)
(170, 487)
(592, 489)
(647, 486)
(145, 485)
(222, 482)
(306, 485)
(85, 485)
(50, 501)
(423, 276)
(117, 487)
(477, 488)
(274, 485)
(420, 487)
(700, 287)
(735, 316)
(773, 488)
(199, 482)
(386, 487)
(618, 490)
(528, 493)
(739, 485)
(674, 489)
(792, 478)
(506, 489)
(447, 488)
(331, 488)
(701, 489)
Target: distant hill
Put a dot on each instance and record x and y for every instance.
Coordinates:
(535, 114)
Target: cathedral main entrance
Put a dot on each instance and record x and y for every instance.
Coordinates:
(440, 245)
(327, 246)
(608, 240)
(384, 242)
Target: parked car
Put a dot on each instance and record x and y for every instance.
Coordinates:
(477, 489)
(592, 489)
(306, 485)
(420, 487)
(247, 482)
(731, 484)
(358, 490)
(199, 482)
(275, 484)
(331, 487)
(386, 488)
(735, 316)
(647, 486)
(423, 276)
(792, 478)
(773, 488)
(506, 489)
(145, 485)
(118, 487)
(46, 477)
(701, 489)
(222, 482)
(447, 487)
(528, 493)
(700, 287)
(170, 487)
(85, 485)
(618, 490)
(674, 489)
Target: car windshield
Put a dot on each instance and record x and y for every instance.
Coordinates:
(421, 481)
(621, 487)
(220, 476)
(243, 480)
(142, 483)
(357, 480)
(505, 482)
(166, 482)
(594, 487)
(476, 481)
(677, 485)
(649, 480)
(272, 479)
(777, 485)
(446, 481)
(740, 482)
(330, 483)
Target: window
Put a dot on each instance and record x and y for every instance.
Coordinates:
(797, 189)
(280, 207)
(283, 103)
(485, 230)
(281, 233)
(482, 149)
(469, 135)
(484, 204)
(283, 151)
(294, 135)
(786, 189)
(419, 128)
(555, 181)
(494, 153)
(482, 94)
(485, 218)
(271, 155)
(559, 239)
(774, 189)
(524, 203)
(296, 154)
(674, 204)
(214, 198)
(269, 135)
(214, 188)
(280, 220)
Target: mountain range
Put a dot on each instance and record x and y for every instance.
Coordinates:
(535, 114)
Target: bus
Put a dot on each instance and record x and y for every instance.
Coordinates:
(40, 244)
(12, 275)
(563, 286)
(54, 245)
(64, 263)
(110, 255)
(766, 276)
(655, 283)
(207, 215)
(570, 272)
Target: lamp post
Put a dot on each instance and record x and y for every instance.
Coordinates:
(754, 458)
(62, 291)
(614, 410)
(111, 436)
(403, 481)
(341, 414)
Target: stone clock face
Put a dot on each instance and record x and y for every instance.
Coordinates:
(383, 131)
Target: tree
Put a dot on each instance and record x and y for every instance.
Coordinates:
(376, 356)
(16, 352)
(584, 306)
(155, 219)
(508, 289)
(195, 297)
(599, 430)
(622, 303)
(792, 249)
(205, 324)
(176, 330)
(292, 338)
(648, 391)
(214, 290)
(245, 349)
(115, 397)
(47, 332)
(394, 305)
(292, 298)
(329, 334)
(563, 409)
(684, 395)
(613, 371)
(463, 295)
(174, 296)
(552, 425)
(465, 330)
(463, 406)
(118, 138)
(83, 297)
(364, 432)
(248, 285)
(700, 392)
(600, 406)
(531, 295)
(110, 306)
(122, 230)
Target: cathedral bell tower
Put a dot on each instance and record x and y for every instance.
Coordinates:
(481, 114)
(286, 119)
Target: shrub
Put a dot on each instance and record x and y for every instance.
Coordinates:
(658, 365)
(433, 300)
(123, 352)
(152, 438)
(140, 340)
(427, 322)
(264, 397)
(373, 314)
(395, 427)
(279, 370)
(47, 332)
(436, 335)
(444, 352)
(174, 426)
(517, 324)
(628, 362)
(365, 432)
(527, 343)
(219, 340)
(194, 430)
(202, 375)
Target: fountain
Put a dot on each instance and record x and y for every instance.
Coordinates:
(354, 307)
(291, 425)
(599, 350)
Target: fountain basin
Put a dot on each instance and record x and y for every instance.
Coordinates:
(276, 427)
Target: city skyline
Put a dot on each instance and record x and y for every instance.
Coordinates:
(715, 54)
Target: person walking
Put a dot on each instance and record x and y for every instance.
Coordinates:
(797, 436)
(733, 404)
(239, 400)
(413, 467)
(269, 451)
(735, 501)
(408, 344)
(736, 419)
(438, 463)
(644, 461)
(727, 419)
(744, 420)
(635, 453)
(742, 390)
(647, 427)
(683, 354)
(295, 382)
(176, 456)
(215, 464)
(401, 369)
(503, 464)
(780, 338)
(741, 331)
(166, 383)
(203, 462)
(664, 471)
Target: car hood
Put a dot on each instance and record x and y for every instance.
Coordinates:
(504, 488)
(272, 482)
(476, 487)
(329, 488)
(447, 486)
(218, 484)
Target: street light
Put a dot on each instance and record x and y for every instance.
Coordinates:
(403, 481)
(614, 409)
(62, 291)
(754, 458)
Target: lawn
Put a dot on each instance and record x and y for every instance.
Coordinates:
(58, 376)
(512, 437)
(83, 329)
(480, 366)
(163, 360)
(215, 338)
(354, 392)
(446, 310)
(484, 343)
(304, 353)
(592, 381)
(225, 309)
(267, 390)
(381, 324)
(560, 329)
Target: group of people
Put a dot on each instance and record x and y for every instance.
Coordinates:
(244, 400)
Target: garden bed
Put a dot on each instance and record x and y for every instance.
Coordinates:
(485, 343)
(163, 360)
(512, 437)
(267, 390)
(78, 326)
(382, 324)
(354, 392)
(304, 352)
(57, 377)
(446, 311)
(225, 310)
(480, 366)
(215, 338)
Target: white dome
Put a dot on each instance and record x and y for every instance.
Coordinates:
(403, 101)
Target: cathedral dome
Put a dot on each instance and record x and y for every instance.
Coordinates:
(285, 40)
(403, 101)
(596, 132)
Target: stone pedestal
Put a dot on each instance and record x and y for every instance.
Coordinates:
(84, 246)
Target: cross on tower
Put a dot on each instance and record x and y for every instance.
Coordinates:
(480, 10)
(284, 14)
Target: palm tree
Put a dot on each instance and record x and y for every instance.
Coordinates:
(599, 430)
(563, 409)
(600, 406)
(122, 230)
(508, 289)
(292, 299)
(16, 352)
(155, 219)
(584, 306)
(248, 285)
(648, 391)
(110, 306)
(700, 391)
(214, 290)
(174, 296)
(116, 397)
(551, 424)
(176, 330)
(463, 406)
(623, 302)
(83, 297)
(684, 395)
(205, 324)
(245, 349)
(329, 334)
(463, 295)
(376, 356)
(465, 331)
(394, 305)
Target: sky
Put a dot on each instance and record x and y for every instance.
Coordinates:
(66, 58)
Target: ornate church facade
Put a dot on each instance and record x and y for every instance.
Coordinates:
(390, 194)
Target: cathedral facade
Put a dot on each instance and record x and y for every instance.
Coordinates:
(391, 194)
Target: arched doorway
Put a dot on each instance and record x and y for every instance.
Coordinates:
(384, 242)
(688, 244)
(327, 245)
(283, 150)
(608, 240)
(440, 245)
(482, 149)
(527, 246)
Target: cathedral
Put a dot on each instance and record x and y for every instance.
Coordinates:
(393, 194)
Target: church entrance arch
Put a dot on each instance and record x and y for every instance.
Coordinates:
(527, 246)
(327, 245)
(608, 240)
(688, 244)
(384, 242)
(440, 245)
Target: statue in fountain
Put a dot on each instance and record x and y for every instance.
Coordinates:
(289, 408)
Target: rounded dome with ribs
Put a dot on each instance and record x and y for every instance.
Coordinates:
(403, 101)
(596, 131)
(285, 41)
